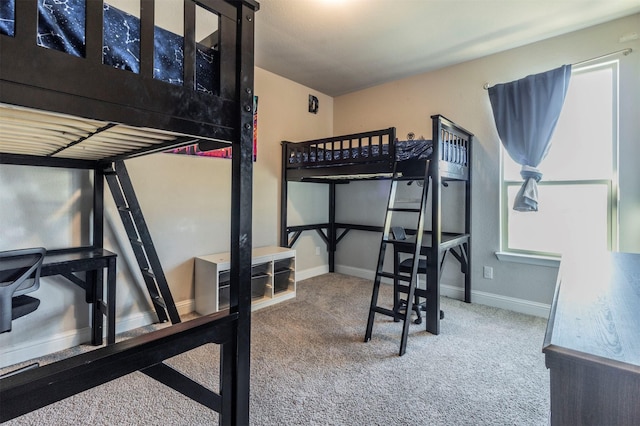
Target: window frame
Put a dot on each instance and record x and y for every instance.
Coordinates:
(543, 258)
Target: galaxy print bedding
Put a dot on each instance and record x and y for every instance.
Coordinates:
(405, 150)
(7, 17)
(61, 26)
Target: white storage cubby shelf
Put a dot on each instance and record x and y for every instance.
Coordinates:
(273, 279)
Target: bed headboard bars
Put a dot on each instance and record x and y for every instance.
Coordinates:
(60, 105)
(453, 150)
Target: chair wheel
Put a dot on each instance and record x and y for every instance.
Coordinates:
(441, 314)
(418, 320)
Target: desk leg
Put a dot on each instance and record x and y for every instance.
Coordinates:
(94, 282)
(433, 295)
(111, 302)
(467, 273)
(396, 295)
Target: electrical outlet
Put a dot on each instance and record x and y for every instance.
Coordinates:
(317, 251)
(488, 272)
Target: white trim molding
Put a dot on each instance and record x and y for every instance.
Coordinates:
(312, 272)
(453, 291)
(530, 259)
(72, 338)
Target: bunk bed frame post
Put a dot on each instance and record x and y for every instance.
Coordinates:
(98, 208)
(284, 197)
(241, 204)
(98, 242)
(433, 260)
(332, 226)
(467, 222)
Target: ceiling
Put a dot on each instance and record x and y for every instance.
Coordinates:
(340, 46)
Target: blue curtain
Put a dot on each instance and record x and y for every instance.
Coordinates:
(526, 112)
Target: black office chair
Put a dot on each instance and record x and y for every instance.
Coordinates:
(19, 274)
(405, 267)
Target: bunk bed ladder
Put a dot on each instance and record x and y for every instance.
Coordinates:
(141, 242)
(412, 246)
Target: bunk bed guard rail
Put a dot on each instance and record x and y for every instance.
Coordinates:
(376, 153)
(136, 84)
(374, 146)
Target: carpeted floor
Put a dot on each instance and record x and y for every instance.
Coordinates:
(310, 366)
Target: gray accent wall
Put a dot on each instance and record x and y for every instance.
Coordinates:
(457, 92)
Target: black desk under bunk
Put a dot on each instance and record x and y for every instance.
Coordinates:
(454, 244)
(92, 261)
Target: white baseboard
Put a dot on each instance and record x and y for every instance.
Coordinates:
(356, 272)
(186, 307)
(312, 272)
(35, 349)
(455, 292)
(68, 339)
(511, 303)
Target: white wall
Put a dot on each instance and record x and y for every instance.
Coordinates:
(284, 116)
(457, 93)
(186, 202)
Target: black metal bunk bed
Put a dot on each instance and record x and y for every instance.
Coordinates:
(69, 103)
(376, 155)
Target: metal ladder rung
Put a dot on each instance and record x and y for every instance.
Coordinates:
(148, 273)
(387, 312)
(393, 276)
(394, 241)
(404, 209)
(159, 301)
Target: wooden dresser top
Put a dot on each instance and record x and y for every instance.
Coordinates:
(595, 314)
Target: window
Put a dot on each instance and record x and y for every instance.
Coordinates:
(578, 192)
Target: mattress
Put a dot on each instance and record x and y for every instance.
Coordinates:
(405, 150)
(61, 26)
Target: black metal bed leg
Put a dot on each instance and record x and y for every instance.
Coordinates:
(332, 227)
(228, 382)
